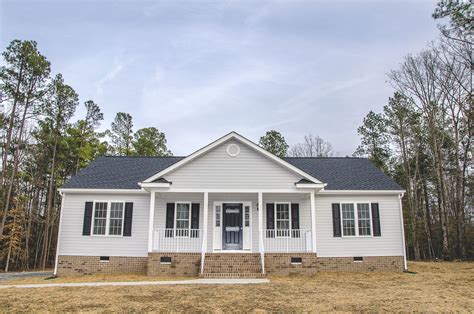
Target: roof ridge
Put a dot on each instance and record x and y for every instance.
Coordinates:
(329, 157)
(112, 156)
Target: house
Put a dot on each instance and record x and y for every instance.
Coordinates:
(230, 209)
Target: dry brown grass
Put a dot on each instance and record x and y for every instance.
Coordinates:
(88, 278)
(435, 287)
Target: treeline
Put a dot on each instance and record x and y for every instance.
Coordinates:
(42, 147)
(424, 137)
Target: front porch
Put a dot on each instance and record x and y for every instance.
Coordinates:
(206, 225)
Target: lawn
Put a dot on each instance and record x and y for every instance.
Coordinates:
(435, 287)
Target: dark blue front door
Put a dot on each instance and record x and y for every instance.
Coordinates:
(232, 231)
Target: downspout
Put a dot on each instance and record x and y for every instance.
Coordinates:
(405, 266)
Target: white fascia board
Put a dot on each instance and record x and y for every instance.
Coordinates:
(99, 191)
(310, 185)
(361, 192)
(231, 191)
(155, 184)
(231, 135)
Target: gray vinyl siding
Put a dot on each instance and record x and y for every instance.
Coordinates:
(216, 169)
(389, 244)
(72, 242)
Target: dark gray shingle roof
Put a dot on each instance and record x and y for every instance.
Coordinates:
(345, 173)
(340, 173)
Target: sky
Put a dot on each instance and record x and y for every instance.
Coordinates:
(197, 70)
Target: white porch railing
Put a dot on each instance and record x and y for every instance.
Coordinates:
(177, 240)
(287, 241)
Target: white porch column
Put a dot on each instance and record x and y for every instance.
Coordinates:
(205, 222)
(313, 221)
(151, 220)
(260, 229)
(204, 229)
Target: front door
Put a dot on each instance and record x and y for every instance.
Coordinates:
(232, 231)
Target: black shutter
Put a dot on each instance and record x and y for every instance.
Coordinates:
(127, 223)
(336, 220)
(86, 226)
(169, 220)
(295, 216)
(270, 220)
(295, 220)
(194, 220)
(376, 219)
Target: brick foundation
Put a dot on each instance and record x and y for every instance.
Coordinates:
(280, 264)
(370, 263)
(188, 264)
(70, 265)
(182, 264)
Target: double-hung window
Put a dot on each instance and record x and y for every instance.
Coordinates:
(183, 219)
(108, 218)
(356, 219)
(283, 220)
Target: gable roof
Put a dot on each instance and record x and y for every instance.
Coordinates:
(233, 135)
(340, 173)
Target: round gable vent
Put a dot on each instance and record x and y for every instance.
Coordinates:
(233, 150)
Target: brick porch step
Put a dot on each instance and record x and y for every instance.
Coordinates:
(232, 265)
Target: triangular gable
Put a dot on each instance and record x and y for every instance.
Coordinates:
(241, 139)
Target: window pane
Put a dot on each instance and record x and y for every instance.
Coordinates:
(182, 219)
(363, 212)
(182, 211)
(116, 215)
(182, 224)
(282, 220)
(348, 219)
(100, 218)
(116, 210)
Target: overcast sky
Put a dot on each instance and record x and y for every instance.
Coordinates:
(199, 69)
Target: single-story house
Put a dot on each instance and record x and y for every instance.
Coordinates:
(230, 209)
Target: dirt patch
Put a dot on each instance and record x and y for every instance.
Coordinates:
(435, 287)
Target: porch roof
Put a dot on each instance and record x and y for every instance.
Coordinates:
(340, 173)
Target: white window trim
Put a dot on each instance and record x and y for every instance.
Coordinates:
(176, 218)
(289, 217)
(107, 219)
(356, 220)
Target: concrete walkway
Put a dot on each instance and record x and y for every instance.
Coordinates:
(145, 283)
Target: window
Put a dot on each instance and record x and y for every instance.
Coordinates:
(183, 219)
(100, 218)
(348, 220)
(108, 218)
(356, 222)
(282, 218)
(363, 215)
(218, 216)
(116, 218)
(247, 216)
